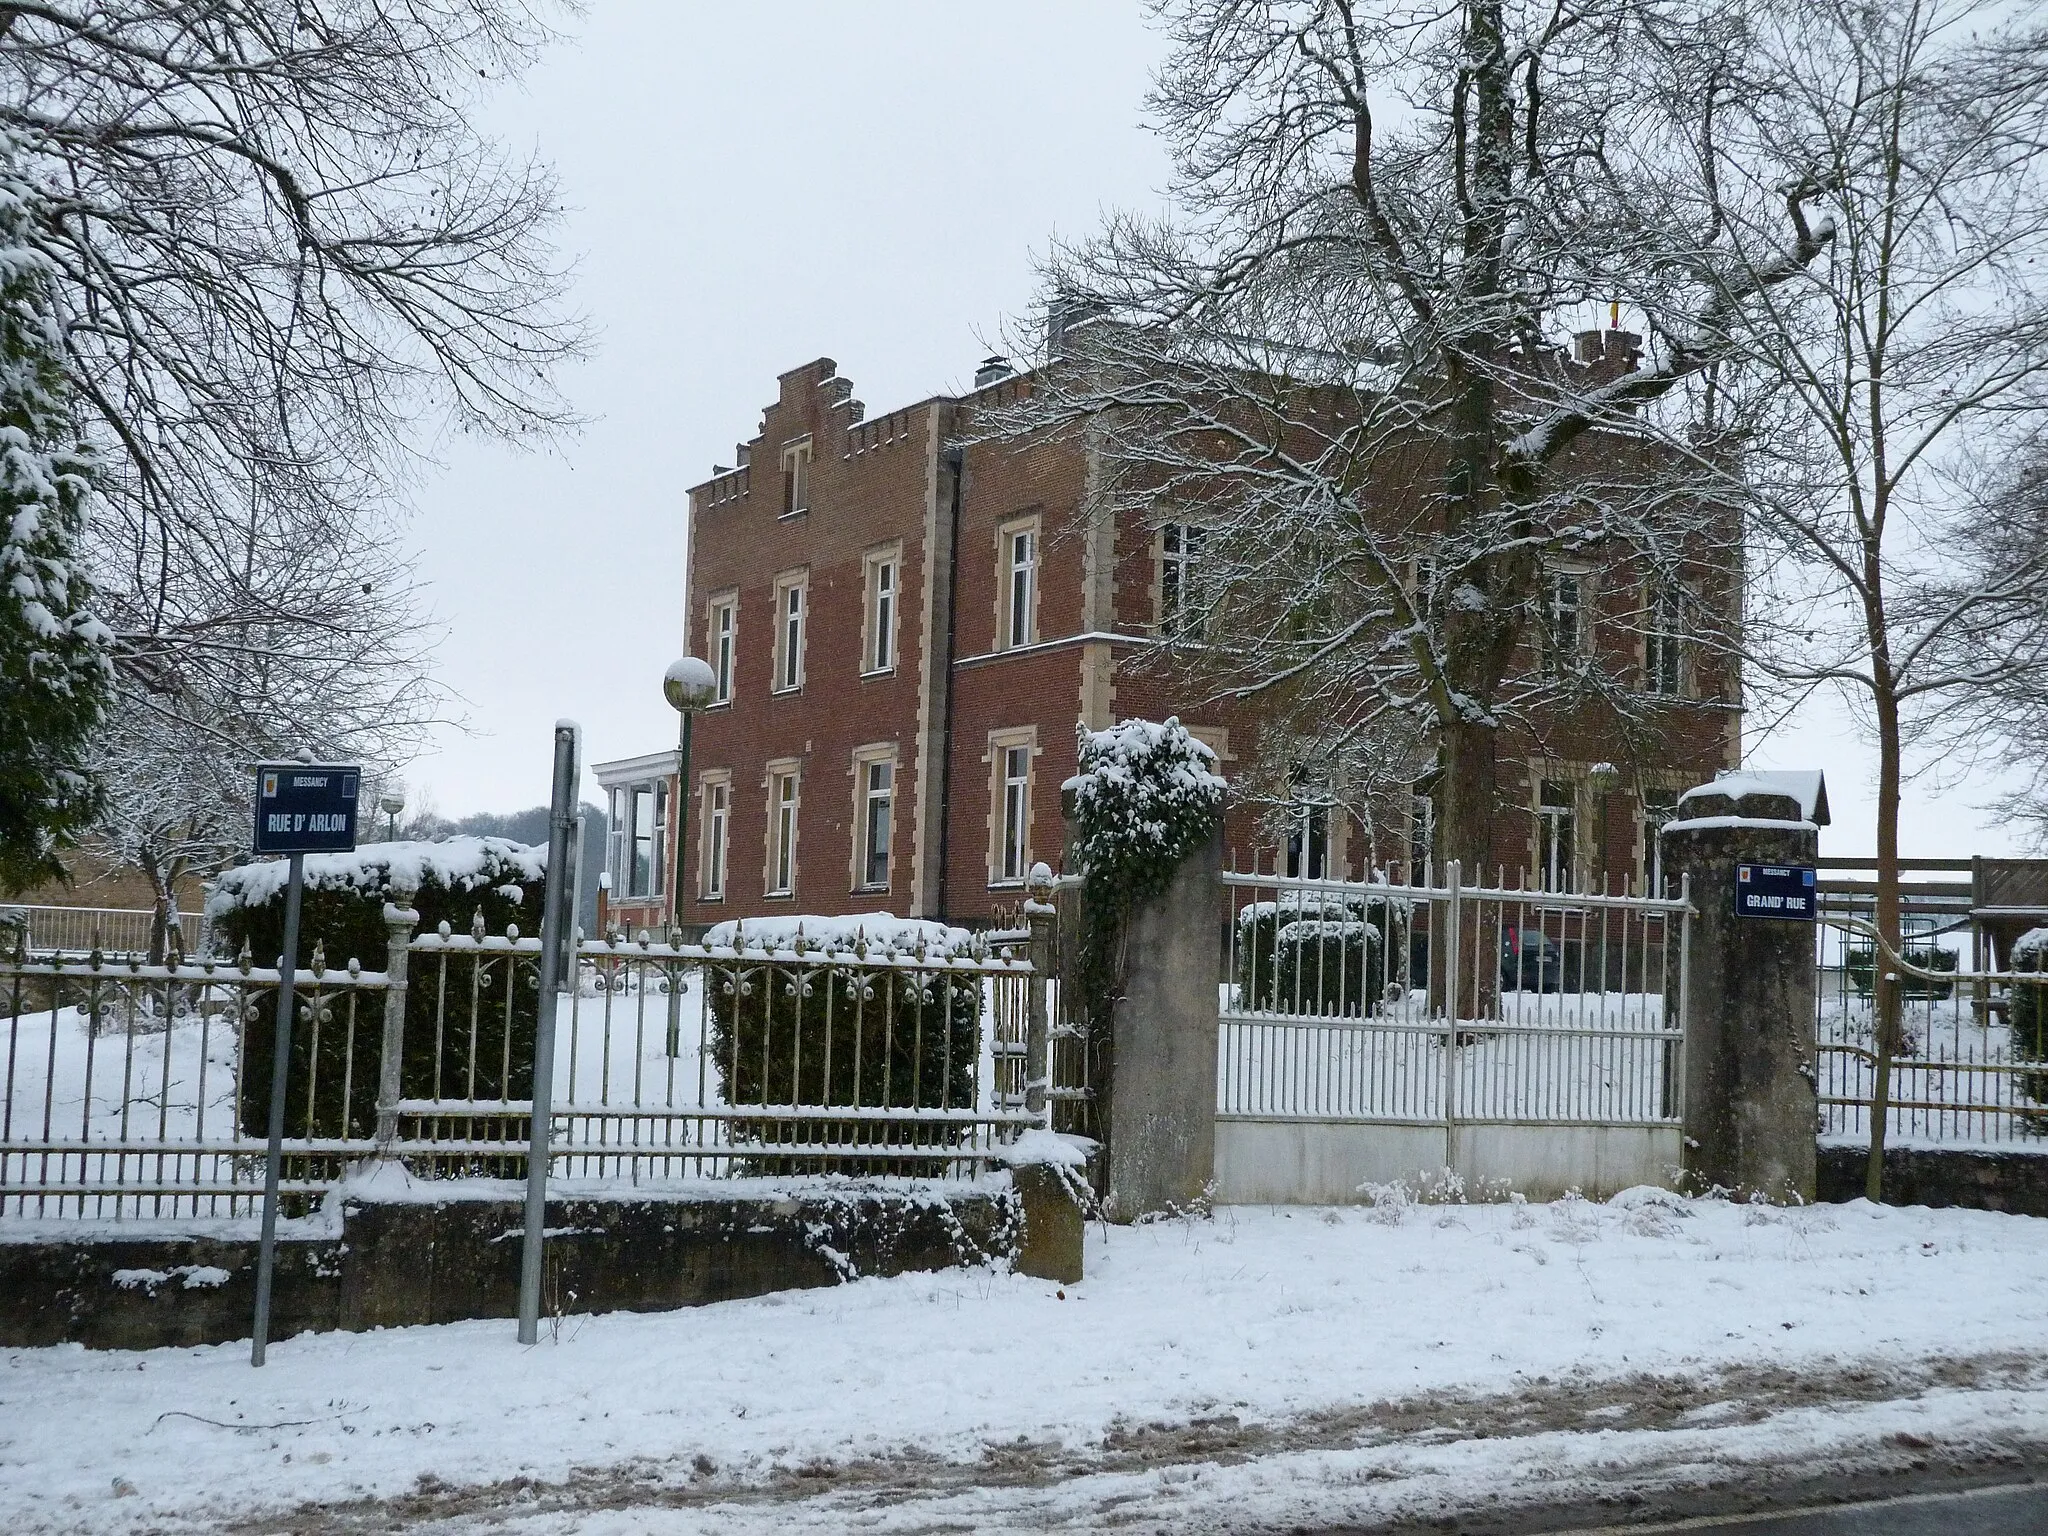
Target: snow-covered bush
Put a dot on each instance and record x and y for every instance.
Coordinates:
(1324, 966)
(1147, 796)
(2026, 1016)
(817, 1026)
(343, 911)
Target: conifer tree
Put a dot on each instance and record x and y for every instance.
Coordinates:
(55, 671)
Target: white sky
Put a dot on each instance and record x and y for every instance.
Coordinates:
(752, 187)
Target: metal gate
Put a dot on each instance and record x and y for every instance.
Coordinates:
(1524, 1040)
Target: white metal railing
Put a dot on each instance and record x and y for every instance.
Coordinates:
(1447, 1004)
(80, 930)
(1971, 1064)
(135, 1091)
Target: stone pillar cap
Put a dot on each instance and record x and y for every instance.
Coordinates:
(1767, 794)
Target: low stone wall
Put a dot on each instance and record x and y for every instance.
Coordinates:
(425, 1255)
(1978, 1179)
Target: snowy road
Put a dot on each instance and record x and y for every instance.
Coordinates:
(1267, 1370)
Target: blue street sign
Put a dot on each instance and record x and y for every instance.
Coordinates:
(1775, 890)
(306, 807)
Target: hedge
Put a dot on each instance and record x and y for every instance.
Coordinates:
(2026, 1016)
(1259, 924)
(899, 1038)
(1328, 967)
(343, 910)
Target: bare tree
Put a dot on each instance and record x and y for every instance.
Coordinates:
(1893, 370)
(284, 256)
(1341, 358)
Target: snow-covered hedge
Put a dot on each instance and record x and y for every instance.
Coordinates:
(831, 1030)
(1322, 966)
(2026, 1016)
(1147, 795)
(861, 931)
(452, 881)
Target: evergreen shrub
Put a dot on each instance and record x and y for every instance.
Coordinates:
(828, 1031)
(1327, 967)
(343, 912)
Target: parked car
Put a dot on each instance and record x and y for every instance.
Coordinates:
(1530, 961)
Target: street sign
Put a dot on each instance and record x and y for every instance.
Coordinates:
(301, 808)
(1775, 890)
(306, 807)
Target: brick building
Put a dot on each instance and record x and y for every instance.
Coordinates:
(905, 626)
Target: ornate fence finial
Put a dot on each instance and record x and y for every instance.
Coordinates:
(476, 925)
(319, 966)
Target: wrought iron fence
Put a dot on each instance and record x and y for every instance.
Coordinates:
(81, 930)
(1434, 1004)
(137, 1091)
(1968, 1068)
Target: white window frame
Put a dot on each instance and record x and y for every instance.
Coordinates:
(722, 627)
(655, 792)
(714, 856)
(1009, 811)
(1653, 817)
(796, 477)
(1017, 582)
(792, 629)
(785, 821)
(1557, 855)
(866, 760)
(619, 803)
(1308, 830)
(1664, 642)
(881, 607)
(1560, 648)
(1180, 547)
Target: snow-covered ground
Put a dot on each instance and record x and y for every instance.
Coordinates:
(1263, 1366)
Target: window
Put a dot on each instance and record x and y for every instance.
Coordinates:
(615, 834)
(878, 653)
(1659, 806)
(789, 632)
(1663, 643)
(1020, 585)
(648, 834)
(711, 859)
(877, 777)
(724, 618)
(1180, 547)
(1555, 849)
(1421, 834)
(796, 478)
(1422, 581)
(782, 817)
(1563, 598)
(1016, 813)
(1308, 840)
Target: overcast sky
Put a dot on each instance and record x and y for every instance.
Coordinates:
(752, 187)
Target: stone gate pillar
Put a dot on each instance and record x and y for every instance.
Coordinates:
(1750, 1107)
(1162, 1098)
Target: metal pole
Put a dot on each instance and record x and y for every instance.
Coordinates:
(556, 921)
(280, 1078)
(675, 897)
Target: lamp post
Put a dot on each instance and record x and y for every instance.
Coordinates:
(688, 685)
(391, 802)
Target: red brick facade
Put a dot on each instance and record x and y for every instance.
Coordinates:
(818, 500)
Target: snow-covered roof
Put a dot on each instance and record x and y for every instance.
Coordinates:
(647, 765)
(1807, 786)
